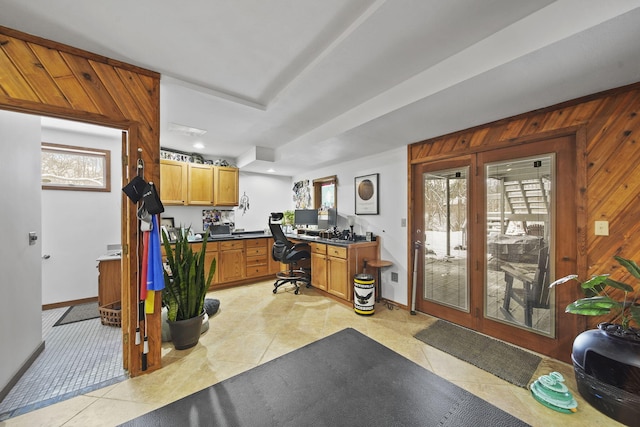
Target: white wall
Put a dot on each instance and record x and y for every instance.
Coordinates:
(267, 193)
(20, 305)
(392, 169)
(77, 226)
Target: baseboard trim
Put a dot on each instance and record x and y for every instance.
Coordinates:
(25, 366)
(68, 303)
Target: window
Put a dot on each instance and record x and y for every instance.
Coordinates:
(75, 168)
(325, 196)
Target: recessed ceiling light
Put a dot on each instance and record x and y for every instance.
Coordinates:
(271, 170)
(198, 145)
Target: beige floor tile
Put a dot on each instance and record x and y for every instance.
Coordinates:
(254, 326)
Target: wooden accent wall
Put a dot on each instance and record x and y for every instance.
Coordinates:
(607, 127)
(38, 76)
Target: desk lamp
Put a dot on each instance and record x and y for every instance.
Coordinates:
(352, 221)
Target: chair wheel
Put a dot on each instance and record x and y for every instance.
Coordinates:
(297, 291)
(275, 291)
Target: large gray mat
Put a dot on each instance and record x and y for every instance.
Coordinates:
(345, 379)
(78, 313)
(505, 361)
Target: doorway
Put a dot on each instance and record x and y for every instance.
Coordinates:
(492, 230)
(76, 227)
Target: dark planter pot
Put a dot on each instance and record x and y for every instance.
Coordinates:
(606, 362)
(186, 333)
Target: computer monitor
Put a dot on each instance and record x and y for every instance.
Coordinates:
(305, 217)
(327, 219)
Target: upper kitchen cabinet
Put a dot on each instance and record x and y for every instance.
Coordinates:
(173, 182)
(200, 184)
(225, 189)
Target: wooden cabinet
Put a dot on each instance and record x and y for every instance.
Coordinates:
(199, 184)
(333, 267)
(231, 263)
(319, 265)
(274, 266)
(338, 278)
(257, 261)
(226, 186)
(173, 182)
(109, 283)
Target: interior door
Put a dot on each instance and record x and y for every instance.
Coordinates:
(492, 230)
(20, 257)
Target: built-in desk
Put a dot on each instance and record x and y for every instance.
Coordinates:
(246, 258)
(334, 263)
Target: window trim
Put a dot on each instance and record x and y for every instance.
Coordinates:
(72, 149)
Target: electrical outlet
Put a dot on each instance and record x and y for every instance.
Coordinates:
(602, 228)
(394, 276)
(403, 222)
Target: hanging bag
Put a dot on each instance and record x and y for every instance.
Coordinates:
(151, 200)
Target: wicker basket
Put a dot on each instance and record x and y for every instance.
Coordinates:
(110, 314)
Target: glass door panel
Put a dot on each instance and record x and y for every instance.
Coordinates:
(445, 214)
(519, 217)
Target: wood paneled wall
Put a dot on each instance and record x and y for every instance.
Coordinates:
(38, 76)
(608, 127)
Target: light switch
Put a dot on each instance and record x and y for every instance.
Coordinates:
(602, 228)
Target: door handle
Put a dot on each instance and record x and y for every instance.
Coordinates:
(46, 256)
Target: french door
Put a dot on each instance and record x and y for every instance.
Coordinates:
(490, 232)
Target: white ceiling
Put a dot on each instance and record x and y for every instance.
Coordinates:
(294, 85)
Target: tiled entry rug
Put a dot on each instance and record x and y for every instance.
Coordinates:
(505, 361)
(344, 379)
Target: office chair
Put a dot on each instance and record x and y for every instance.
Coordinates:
(288, 253)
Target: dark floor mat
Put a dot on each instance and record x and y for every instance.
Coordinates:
(78, 313)
(505, 361)
(344, 379)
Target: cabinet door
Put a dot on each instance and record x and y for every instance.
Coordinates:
(226, 186)
(274, 266)
(173, 182)
(337, 278)
(109, 282)
(232, 264)
(200, 184)
(319, 271)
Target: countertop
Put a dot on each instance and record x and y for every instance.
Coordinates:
(262, 234)
(115, 254)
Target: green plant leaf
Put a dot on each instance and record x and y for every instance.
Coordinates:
(594, 306)
(635, 313)
(564, 280)
(630, 265)
(619, 285)
(594, 281)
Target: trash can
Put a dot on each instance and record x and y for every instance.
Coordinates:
(364, 294)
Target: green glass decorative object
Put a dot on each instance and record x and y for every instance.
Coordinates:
(552, 393)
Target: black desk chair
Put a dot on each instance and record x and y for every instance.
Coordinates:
(288, 253)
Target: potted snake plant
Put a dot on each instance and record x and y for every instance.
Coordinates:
(185, 288)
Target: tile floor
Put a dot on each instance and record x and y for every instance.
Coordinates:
(254, 326)
(78, 358)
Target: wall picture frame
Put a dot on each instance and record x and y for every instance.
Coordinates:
(367, 194)
(167, 222)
